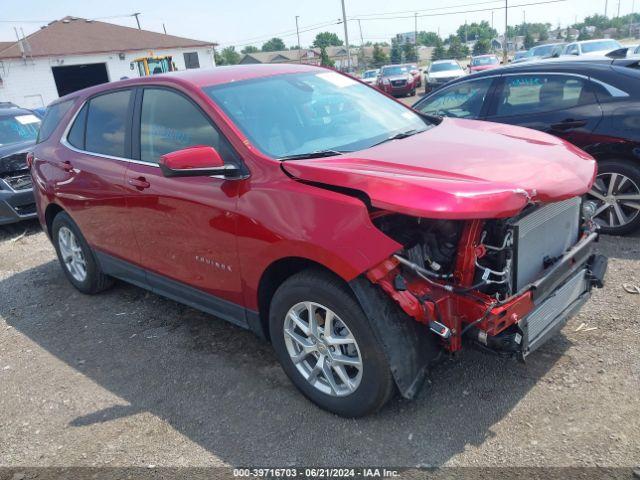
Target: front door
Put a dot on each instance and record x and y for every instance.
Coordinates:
(185, 226)
(562, 105)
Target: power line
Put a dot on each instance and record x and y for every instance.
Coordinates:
(460, 12)
(428, 9)
(288, 33)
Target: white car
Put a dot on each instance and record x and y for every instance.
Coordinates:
(370, 77)
(592, 47)
(440, 72)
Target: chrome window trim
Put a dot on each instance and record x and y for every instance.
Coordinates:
(64, 141)
(66, 144)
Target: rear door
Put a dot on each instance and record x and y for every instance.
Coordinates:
(93, 161)
(186, 226)
(563, 105)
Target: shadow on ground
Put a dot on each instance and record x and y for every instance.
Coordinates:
(221, 387)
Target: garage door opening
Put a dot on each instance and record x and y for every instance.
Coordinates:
(76, 77)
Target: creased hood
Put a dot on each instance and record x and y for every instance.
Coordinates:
(460, 169)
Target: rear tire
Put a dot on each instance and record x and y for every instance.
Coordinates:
(76, 258)
(313, 358)
(616, 192)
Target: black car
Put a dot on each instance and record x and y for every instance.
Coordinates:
(592, 103)
(18, 132)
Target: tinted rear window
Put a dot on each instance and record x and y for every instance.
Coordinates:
(52, 119)
(76, 134)
(106, 124)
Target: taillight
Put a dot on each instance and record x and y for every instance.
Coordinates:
(30, 158)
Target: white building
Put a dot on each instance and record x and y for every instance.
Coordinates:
(75, 53)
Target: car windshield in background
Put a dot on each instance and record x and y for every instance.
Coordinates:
(542, 51)
(394, 71)
(370, 74)
(443, 67)
(600, 46)
(479, 61)
(307, 113)
(18, 128)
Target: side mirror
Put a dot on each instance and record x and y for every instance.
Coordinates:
(195, 161)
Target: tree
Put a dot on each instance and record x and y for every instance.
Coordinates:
(439, 52)
(428, 39)
(294, 47)
(218, 58)
(273, 45)
(379, 57)
(249, 49)
(410, 53)
(396, 53)
(476, 31)
(528, 41)
(325, 61)
(326, 39)
(230, 56)
(457, 49)
(482, 46)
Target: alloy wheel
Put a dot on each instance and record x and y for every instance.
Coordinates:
(323, 349)
(71, 253)
(618, 200)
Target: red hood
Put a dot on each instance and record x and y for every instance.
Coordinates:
(460, 169)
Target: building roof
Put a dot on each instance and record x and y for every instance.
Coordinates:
(76, 36)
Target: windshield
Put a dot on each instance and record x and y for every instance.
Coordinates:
(303, 113)
(18, 128)
(542, 51)
(397, 70)
(370, 74)
(600, 46)
(478, 61)
(443, 67)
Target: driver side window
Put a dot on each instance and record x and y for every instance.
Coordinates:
(463, 100)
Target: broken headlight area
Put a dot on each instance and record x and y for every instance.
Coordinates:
(480, 279)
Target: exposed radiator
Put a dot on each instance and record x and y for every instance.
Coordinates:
(546, 233)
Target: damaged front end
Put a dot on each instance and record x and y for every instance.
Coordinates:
(505, 285)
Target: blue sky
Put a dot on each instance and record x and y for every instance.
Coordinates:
(238, 22)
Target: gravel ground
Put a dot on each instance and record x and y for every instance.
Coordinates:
(127, 378)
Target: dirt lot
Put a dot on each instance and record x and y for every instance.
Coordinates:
(128, 378)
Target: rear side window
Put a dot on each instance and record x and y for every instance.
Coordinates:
(76, 134)
(527, 94)
(52, 119)
(106, 124)
(170, 122)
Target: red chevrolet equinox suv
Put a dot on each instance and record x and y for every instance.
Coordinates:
(361, 238)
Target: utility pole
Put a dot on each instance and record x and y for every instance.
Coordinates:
(361, 45)
(346, 36)
(618, 9)
(164, 28)
(606, 7)
(415, 32)
(137, 19)
(506, 28)
(491, 18)
(298, 35)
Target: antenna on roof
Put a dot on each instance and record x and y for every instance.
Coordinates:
(137, 20)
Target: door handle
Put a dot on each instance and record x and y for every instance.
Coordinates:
(65, 165)
(568, 124)
(139, 182)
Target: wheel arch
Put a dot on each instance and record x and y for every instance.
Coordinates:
(50, 213)
(275, 275)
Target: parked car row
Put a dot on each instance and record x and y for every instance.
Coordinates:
(396, 80)
(596, 47)
(591, 102)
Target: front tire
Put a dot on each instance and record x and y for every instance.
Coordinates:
(616, 192)
(76, 257)
(325, 345)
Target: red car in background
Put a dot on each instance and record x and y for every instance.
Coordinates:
(417, 74)
(480, 63)
(357, 235)
(397, 80)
